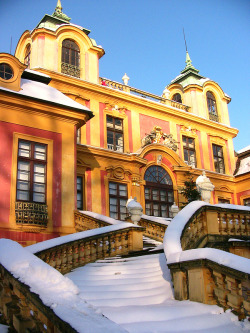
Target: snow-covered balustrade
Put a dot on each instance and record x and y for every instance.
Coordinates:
(35, 297)
(209, 275)
(68, 252)
(85, 220)
(155, 227)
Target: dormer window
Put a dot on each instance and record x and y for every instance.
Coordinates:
(211, 105)
(177, 98)
(6, 71)
(70, 58)
(27, 56)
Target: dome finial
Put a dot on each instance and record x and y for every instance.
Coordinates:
(58, 12)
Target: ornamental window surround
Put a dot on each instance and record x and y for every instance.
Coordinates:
(219, 165)
(189, 150)
(70, 64)
(114, 133)
(118, 196)
(31, 172)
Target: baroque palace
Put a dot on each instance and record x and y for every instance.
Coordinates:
(71, 140)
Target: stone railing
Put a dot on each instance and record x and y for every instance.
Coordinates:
(209, 275)
(141, 93)
(208, 282)
(153, 229)
(212, 226)
(85, 222)
(70, 69)
(24, 310)
(90, 246)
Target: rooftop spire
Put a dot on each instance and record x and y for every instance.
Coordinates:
(58, 12)
(189, 65)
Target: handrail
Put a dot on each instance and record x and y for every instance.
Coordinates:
(153, 229)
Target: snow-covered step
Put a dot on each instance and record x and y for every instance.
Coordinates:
(136, 293)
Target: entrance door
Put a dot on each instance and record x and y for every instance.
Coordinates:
(159, 194)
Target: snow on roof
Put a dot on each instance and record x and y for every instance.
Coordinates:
(36, 73)
(243, 150)
(46, 93)
(55, 290)
(244, 166)
(172, 241)
(35, 248)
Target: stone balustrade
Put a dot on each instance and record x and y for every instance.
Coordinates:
(212, 226)
(153, 229)
(105, 243)
(87, 222)
(205, 281)
(24, 310)
(209, 275)
(143, 94)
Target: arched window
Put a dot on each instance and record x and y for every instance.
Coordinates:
(70, 58)
(159, 194)
(211, 105)
(177, 98)
(27, 55)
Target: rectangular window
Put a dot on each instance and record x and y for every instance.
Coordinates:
(118, 196)
(31, 172)
(78, 136)
(79, 193)
(114, 133)
(219, 165)
(189, 151)
(223, 201)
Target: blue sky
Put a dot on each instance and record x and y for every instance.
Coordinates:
(144, 38)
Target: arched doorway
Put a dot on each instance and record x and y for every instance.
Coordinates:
(159, 194)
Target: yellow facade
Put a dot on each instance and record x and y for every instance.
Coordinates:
(98, 164)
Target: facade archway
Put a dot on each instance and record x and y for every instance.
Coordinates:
(159, 193)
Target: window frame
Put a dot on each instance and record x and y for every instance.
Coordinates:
(118, 197)
(6, 70)
(217, 159)
(212, 106)
(70, 58)
(157, 185)
(177, 98)
(114, 131)
(189, 149)
(246, 200)
(27, 55)
(32, 161)
(80, 192)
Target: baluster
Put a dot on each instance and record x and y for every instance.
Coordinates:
(58, 260)
(233, 225)
(235, 299)
(87, 253)
(75, 261)
(64, 260)
(81, 254)
(93, 254)
(220, 221)
(69, 256)
(22, 321)
(220, 290)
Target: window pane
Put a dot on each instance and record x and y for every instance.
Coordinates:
(22, 195)
(123, 190)
(38, 197)
(163, 195)
(22, 185)
(113, 201)
(109, 121)
(147, 193)
(24, 149)
(39, 168)
(155, 194)
(39, 188)
(170, 197)
(119, 141)
(155, 210)
(118, 124)
(164, 210)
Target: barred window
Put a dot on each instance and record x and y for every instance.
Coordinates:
(114, 133)
(31, 172)
(212, 108)
(6, 71)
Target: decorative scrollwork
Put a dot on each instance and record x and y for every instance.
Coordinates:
(157, 136)
(70, 70)
(30, 213)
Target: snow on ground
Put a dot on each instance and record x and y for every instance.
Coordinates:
(3, 328)
(136, 293)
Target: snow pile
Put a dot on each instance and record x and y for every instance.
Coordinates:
(55, 290)
(160, 220)
(101, 217)
(172, 241)
(35, 248)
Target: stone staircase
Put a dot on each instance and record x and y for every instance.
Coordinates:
(136, 293)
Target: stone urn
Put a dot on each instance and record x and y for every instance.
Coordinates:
(174, 209)
(205, 187)
(134, 209)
